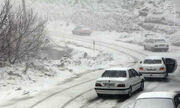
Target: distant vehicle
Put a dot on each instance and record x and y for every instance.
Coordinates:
(158, 100)
(157, 67)
(82, 31)
(144, 12)
(156, 45)
(119, 81)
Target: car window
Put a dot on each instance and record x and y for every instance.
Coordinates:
(77, 28)
(154, 103)
(150, 40)
(159, 40)
(131, 74)
(114, 73)
(152, 61)
(135, 72)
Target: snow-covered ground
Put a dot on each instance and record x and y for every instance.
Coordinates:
(77, 57)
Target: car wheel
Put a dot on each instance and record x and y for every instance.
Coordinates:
(130, 92)
(165, 78)
(100, 95)
(152, 49)
(145, 47)
(142, 86)
(166, 50)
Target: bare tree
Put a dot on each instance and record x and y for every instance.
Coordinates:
(20, 36)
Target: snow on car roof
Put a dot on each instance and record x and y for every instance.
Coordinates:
(119, 68)
(153, 57)
(157, 95)
(158, 38)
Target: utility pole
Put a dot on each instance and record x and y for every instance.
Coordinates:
(174, 16)
(176, 4)
(24, 7)
(94, 43)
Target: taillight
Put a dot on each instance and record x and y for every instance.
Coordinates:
(98, 85)
(121, 85)
(161, 68)
(141, 68)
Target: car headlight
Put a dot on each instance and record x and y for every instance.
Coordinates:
(98, 85)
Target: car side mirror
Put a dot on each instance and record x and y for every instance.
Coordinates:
(140, 74)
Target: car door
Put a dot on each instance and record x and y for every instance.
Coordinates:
(151, 44)
(137, 79)
(131, 78)
(147, 44)
(171, 65)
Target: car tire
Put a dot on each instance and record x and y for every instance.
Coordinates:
(164, 79)
(142, 86)
(152, 49)
(145, 47)
(100, 95)
(166, 50)
(130, 92)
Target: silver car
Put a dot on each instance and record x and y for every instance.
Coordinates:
(156, 45)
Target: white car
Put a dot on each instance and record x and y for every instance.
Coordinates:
(157, 67)
(158, 100)
(156, 45)
(119, 81)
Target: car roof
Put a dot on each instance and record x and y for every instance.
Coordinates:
(153, 57)
(119, 68)
(157, 95)
(156, 38)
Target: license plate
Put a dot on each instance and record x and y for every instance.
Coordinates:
(109, 84)
(151, 69)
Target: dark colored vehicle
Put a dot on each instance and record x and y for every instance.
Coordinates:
(82, 31)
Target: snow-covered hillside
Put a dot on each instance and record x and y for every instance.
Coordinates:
(128, 21)
(117, 15)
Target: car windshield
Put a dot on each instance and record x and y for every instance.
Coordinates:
(154, 103)
(151, 61)
(160, 40)
(113, 73)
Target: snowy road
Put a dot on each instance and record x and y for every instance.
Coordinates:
(79, 92)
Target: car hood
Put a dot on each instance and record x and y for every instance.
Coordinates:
(104, 79)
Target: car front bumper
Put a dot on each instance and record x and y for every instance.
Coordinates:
(160, 48)
(154, 74)
(112, 91)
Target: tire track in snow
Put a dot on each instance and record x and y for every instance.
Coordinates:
(135, 58)
(106, 45)
(37, 103)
